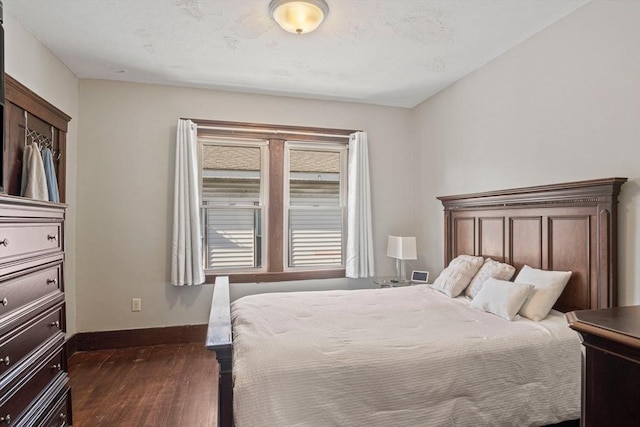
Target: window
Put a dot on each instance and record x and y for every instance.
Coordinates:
(233, 203)
(273, 201)
(315, 204)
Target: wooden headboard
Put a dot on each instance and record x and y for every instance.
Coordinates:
(569, 227)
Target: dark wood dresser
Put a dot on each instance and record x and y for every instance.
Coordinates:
(33, 363)
(611, 365)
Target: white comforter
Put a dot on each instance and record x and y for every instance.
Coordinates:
(405, 356)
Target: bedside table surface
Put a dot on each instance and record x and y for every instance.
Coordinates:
(390, 282)
(617, 320)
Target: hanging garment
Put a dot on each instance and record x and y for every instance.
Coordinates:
(36, 180)
(50, 174)
(26, 161)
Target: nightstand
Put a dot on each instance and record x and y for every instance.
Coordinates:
(611, 365)
(390, 282)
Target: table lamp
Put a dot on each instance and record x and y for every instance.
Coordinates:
(401, 248)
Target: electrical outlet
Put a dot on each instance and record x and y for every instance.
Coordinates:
(136, 304)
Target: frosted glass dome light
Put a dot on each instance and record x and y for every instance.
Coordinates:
(298, 16)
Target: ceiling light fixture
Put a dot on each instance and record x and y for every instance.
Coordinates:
(298, 16)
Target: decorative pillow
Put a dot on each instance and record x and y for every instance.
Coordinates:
(501, 297)
(457, 275)
(490, 268)
(547, 287)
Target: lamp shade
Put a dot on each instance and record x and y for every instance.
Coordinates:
(402, 247)
(298, 16)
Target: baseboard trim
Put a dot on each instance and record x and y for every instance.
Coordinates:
(71, 345)
(104, 340)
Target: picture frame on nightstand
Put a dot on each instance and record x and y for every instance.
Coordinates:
(419, 276)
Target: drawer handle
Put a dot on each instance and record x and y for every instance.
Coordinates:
(52, 237)
(4, 242)
(6, 360)
(56, 324)
(6, 419)
(52, 281)
(57, 367)
(63, 417)
(4, 301)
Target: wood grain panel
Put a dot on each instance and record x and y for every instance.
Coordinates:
(525, 241)
(275, 253)
(26, 99)
(569, 238)
(61, 164)
(32, 318)
(491, 238)
(14, 141)
(603, 273)
(464, 236)
(611, 365)
(566, 226)
(279, 276)
(269, 131)
(41, 116)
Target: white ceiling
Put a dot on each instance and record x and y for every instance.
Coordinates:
(387, 52)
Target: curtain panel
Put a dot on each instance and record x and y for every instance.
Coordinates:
(359, 259)
(186, 247)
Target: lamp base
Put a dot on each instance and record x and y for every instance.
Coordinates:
(401, 275)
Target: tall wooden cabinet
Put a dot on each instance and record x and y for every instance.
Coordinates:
(34, 389)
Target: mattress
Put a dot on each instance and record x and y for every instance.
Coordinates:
(406, 356)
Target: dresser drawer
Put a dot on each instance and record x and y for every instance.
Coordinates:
(23, 240)
(20, 399)
(60, 415)
(22, 290)
(18, 343)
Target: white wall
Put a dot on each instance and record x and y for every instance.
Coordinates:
(125, 190)
(572, 90)
(25, 60)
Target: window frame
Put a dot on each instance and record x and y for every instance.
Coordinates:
(275, 135)
(342, 150)
(263, 202)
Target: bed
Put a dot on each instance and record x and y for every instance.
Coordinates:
(355, 358)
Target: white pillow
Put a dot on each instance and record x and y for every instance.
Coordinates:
(547, 287)
(501, 297)
(490, 268)
(457, 275)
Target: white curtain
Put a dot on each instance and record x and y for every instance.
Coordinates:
(359, 261)
(186, 247)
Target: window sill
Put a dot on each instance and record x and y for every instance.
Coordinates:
(278, 277)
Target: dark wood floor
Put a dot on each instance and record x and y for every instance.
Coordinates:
(164, 385)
